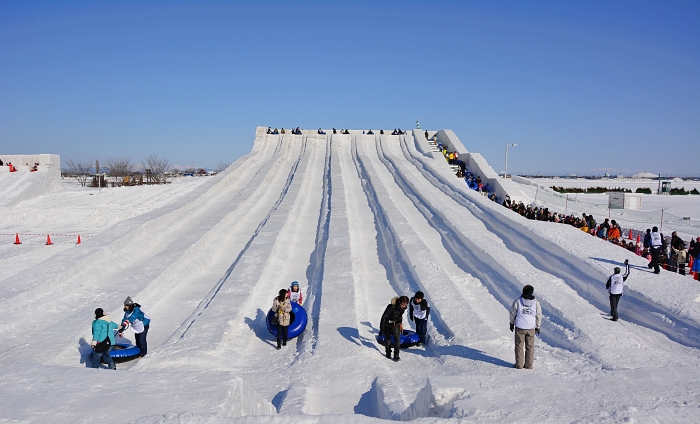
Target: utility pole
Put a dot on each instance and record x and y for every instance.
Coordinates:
(505, 174)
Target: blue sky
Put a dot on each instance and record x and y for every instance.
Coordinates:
(587, 87)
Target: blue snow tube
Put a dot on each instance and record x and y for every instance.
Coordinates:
(123, 351)
(297, 323)
(473, 185)
(408, 338)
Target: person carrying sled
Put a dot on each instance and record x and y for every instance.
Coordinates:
(294, 294)
(282, 307)
(138, 322)
(525, 320)
(418, 313)
(615, 285)
(102, 340)
(391, 324)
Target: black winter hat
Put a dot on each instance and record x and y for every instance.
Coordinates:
(528, 289)
(99, 313)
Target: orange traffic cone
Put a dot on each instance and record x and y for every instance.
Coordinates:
(78, 239)
(639, 238)
(17, 239)
(630, 236)
(48, 240)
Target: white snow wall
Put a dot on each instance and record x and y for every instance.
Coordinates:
(24, 185)
(476, 164)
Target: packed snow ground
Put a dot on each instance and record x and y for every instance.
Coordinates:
(683, 206)
(355, 219)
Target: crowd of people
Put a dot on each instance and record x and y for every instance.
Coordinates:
(297, 131)
(673, 255)
(474, 182)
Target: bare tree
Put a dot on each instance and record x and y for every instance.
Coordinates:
(221, 167)
(119, 167)
(157, 168)
(80, 170)
(190, 170)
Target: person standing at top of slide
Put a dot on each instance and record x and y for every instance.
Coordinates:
(614, 285)
(294, 294)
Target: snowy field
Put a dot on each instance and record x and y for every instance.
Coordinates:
(687, 205)
(356, 220)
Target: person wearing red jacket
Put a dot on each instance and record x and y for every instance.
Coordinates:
(294, 294)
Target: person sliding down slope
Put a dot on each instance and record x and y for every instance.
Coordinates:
(614, 285)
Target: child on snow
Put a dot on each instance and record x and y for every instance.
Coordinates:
(418, 312)
(294, 294)
(135, 319)
(102, 340)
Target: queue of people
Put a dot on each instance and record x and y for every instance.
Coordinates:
(297, 131)
(672, 256)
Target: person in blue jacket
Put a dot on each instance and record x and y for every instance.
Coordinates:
(139, 323)
(102, 339)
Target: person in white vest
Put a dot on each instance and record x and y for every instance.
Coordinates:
(657, 245)
(418, 312)
(294, 293)
(525, 319)
(615, 284)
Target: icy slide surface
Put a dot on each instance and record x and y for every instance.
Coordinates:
(356, 220)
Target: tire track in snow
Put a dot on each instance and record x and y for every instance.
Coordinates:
(552, 259)
(469, 257)
(204, 303)
(314, 272)
(399, 269)
(89, 268)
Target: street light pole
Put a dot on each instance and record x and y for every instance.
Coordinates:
(505, 174)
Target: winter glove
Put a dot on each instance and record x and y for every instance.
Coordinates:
(512, 327)
(93, 343)
(537, 331)
(627, 261)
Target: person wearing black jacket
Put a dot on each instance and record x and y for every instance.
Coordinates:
(392, 325)
(678, 252)
(418, 313)
(658, 245)
(647, 239)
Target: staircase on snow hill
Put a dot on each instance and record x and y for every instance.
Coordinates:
(434, 148)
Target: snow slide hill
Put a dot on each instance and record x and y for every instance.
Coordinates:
(356, 219)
